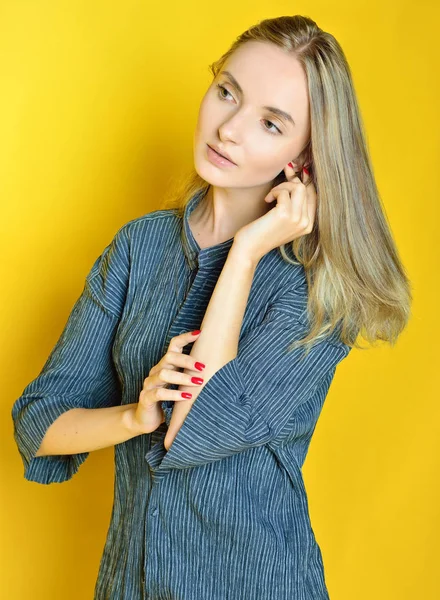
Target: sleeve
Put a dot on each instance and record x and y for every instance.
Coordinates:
(79, 372)
(251, 399)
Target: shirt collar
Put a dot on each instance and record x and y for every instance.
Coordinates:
(204, 258)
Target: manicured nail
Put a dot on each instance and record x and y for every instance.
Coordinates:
(306, 171)
(200, 366)
(290, 165)
(196, 332)
(197, 380)
(186, 395)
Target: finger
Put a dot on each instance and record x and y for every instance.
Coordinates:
(173, 377)
(179, 341)
(311, 211)
(298, 202)
(282, 196)
(289, 172)
(178, 360)
(176, 345)
(285, 185)
(150, 397)
(305, 175)
(311, 200)
(304, 214)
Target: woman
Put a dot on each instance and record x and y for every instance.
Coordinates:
(209, 497)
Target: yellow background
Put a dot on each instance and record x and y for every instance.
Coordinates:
(99, 101)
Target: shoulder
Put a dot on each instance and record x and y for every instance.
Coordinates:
(154, 220)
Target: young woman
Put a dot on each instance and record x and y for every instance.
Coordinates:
(280, 254)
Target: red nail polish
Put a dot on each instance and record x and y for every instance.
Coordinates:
(290, 165)
(196, 332)
(186, 395)
(200, 366)
(306, 171)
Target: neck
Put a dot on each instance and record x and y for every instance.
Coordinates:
(219, 215)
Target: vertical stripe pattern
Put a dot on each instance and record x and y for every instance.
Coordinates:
(223, 514)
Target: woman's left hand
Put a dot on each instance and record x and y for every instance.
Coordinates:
(292, 217)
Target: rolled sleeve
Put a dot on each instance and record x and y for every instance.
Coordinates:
(251, 399)
(79, 372)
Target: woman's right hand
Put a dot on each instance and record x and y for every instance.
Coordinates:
(148, 412)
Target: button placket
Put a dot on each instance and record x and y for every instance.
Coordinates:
(150, 537)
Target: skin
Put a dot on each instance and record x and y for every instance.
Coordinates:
(293, 216)
(241, 204)
(237, 124)
(240, 200)
(236, 206)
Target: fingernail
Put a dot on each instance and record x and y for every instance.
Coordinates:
(186, 395)
(290, 165)
(200, 366)
(197, 380)
(196, 332)
(305, 170)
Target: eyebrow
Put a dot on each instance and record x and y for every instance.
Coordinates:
(277, 111)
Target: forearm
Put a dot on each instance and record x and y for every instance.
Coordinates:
(86, 429)
(221, 325)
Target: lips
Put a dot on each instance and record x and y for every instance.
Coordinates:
(222, 153)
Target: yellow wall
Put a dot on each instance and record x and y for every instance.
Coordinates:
(97, 109)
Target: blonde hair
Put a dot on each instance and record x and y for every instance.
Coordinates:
(356, 280)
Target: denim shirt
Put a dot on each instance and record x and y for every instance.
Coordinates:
(223, 514)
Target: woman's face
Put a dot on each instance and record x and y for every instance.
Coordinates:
(259, 141)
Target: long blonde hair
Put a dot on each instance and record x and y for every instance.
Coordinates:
(355, 278)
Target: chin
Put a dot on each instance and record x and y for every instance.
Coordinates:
(207, 171)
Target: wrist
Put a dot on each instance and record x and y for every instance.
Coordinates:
(129, 423)
(239, 253)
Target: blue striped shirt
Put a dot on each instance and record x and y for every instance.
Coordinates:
(223, 513)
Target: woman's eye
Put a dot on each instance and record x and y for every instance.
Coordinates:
(273, 125)
(222, 89)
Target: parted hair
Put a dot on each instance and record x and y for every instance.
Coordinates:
(355, 277)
